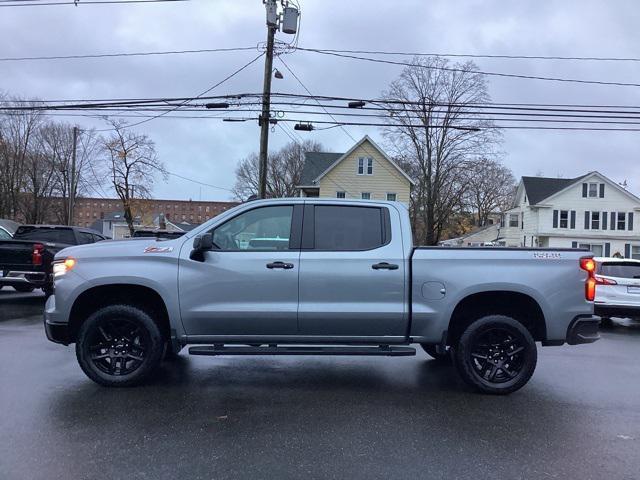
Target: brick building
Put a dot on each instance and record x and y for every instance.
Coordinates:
(88, 210)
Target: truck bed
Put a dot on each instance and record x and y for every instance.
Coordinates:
(442, 277)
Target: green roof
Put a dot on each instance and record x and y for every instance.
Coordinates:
(315, 163)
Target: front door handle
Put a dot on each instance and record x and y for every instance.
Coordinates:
(286, 266)
(384, 266)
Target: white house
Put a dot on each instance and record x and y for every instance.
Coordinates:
(590, 211)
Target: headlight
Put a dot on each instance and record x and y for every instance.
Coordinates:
(60, 267)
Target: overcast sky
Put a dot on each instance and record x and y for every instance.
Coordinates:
(208, 150)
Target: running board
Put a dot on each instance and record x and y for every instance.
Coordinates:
(383, 350)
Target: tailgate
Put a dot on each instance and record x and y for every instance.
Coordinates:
(16, 255)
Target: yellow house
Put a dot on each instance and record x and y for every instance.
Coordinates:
(364, 172)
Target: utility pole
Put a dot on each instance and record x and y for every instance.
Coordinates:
(266, 103)
(289, 22)
(74, 181)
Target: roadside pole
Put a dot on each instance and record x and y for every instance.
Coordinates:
(289, 22)
(73, 180)
(264, 116)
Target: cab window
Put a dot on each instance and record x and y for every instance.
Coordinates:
(264, 228)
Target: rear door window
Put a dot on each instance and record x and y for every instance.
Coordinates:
(84, 238)
(344, 228)
(620, 269)
(54, 235)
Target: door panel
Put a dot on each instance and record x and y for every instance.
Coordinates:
(234, 293)
(248, 284)
(341, 294)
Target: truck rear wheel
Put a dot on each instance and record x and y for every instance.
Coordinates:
(496, 354)
(433, 352)
(119, 346)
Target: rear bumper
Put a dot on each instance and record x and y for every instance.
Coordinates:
(56, 332)
(583, 329)
(37, 279)
(625, 311)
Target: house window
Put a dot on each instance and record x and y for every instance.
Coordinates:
(564, 218)
(635, 252)
(366, 195)
(595, 220)
(621, 223)
(341, 195)
(595, 248)
(365, 166)
(593, 190)
(391, 197)
(513, 219)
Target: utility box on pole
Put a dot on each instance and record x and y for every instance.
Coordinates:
(272, 13)
(290, 20)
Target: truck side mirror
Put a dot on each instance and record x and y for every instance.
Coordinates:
(201, 243)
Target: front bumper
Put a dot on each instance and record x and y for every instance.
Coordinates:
(624, 311)
(583, 329)
(57, 332)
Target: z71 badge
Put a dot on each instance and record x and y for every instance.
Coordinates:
(154, 249)
(547, 255)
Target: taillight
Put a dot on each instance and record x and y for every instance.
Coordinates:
(604, 281)
(36, 255)
(589, 265)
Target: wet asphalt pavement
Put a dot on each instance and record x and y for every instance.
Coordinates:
(314, 417)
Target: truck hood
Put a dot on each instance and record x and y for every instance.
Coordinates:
(123, 248)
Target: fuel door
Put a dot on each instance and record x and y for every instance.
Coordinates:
(433, 290)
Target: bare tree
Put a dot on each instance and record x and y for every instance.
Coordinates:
(132, 166)
(18, 135)
(57, 141)
(284, 169)
(436, 136)
(491, 187)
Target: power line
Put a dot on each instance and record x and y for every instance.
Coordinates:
(199, 182)
(82, 2)
(470, 55)
(353, 52)
(231, 75)
(73, 103)
(479, 72)
(125, 54)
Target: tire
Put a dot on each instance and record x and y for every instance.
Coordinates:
(24, 288)
(432, 352)
(119, 346)
(482, 355)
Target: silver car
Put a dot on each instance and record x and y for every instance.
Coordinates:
(617, 288)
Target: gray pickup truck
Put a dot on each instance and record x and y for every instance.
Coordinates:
(310, 276)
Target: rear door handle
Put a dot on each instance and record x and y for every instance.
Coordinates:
(286, 266)
(384, 266)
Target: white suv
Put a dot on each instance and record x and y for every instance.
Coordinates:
(617, 288)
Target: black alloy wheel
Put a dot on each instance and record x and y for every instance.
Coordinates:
(496, 354)
(119, 346)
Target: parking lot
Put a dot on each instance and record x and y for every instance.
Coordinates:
(306, 417)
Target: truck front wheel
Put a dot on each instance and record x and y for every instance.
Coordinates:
(119, 346)
(496, 354)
